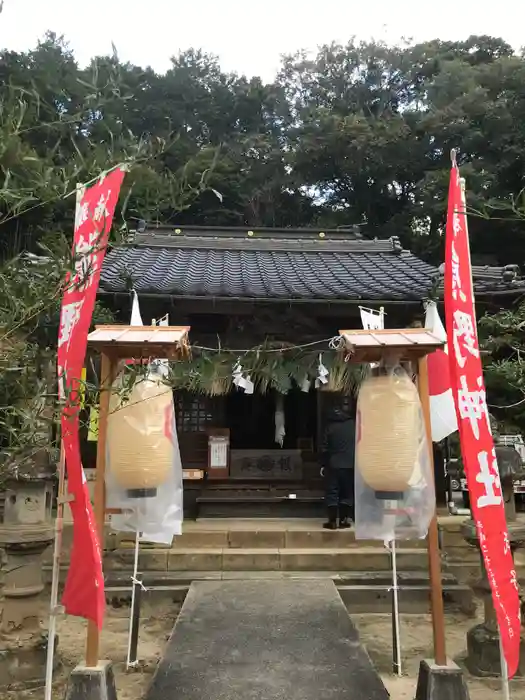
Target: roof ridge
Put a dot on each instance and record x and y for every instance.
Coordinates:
(352, 232)
(253, 243)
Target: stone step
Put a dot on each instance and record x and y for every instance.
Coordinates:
(295, 532)
(263, 538)
(264, 507)
(215, 539)
(378, 580)
(469, 571)
(374, 579)
(358, 598)
(411, 599)
(266, 559)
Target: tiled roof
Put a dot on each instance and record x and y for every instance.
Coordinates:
(257, 267)
(490, 279)
(267, 264)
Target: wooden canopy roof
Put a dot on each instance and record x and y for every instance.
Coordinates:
(141, 341)
(406, 343)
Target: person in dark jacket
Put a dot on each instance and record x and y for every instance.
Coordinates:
(338, 456)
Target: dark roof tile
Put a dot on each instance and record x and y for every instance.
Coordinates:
(279, 264)
(261, 274)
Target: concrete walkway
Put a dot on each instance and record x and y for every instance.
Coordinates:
(265, 640)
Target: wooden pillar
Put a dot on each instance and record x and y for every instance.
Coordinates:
(434, 559)
(107, 373)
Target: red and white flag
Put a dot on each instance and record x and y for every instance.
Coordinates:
(477, 445)
(84, 588)
(443, 417)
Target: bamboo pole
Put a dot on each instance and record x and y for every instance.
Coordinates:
(134, 618)
(396, 634)
(57, 552)
(107, 372)
(434, 561)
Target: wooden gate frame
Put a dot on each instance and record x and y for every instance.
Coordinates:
(115, 344)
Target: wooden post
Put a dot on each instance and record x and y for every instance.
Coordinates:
(107, 372)
(434, 560)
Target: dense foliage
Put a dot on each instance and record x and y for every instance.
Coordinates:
(504, 339)
(358, 134)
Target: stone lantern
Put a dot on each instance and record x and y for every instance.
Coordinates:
(26, 530)
(483, 651)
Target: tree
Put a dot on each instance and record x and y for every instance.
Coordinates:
(374, 125)
(59, 126)
(503, 336)
(360, 134)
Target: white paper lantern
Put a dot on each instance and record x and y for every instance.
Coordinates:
(139, 442)
(389, 433)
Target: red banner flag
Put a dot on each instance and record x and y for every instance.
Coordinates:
(477, 445)
(84, 589)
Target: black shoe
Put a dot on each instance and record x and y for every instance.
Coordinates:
(331, 524)
(345, 521)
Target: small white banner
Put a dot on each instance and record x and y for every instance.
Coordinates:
(372, 320)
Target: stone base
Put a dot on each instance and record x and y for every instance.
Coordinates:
(483, 653)
(92, 683)
(441, 682)
(23, 665)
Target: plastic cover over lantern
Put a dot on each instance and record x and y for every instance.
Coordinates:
(144, 471)
(394, 483)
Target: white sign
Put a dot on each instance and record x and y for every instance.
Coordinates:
(218, 452)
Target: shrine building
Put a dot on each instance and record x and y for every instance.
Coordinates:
(270, 301)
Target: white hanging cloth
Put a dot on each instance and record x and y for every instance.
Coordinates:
(322, 373)
(163, 366)
(237, 375)
(372, 320)
(280, 430)
(242, 382)
(136, 318)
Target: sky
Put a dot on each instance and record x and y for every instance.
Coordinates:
(249, 41)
